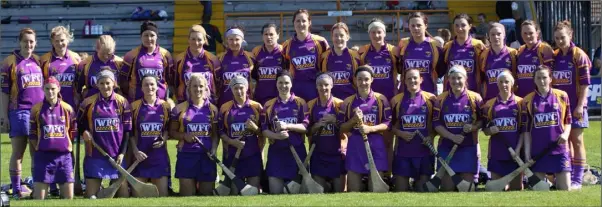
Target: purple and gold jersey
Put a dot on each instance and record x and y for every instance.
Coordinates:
(467, 55)
(267, 65)
(384, 63)
(426, 57)
(528, 59)
(293, 111)
(149, 122)
(90, 67)
(305, 58)
(53, 126)
(186, 64)
(232, 66)
(545, 117)
(413, 114)
(491, 65)
(65, 70)
(453, 113)
(232, 120)
(329, 139)
(22, 80)
(196, 121)
(140, 62)
(341, 68)
(506, 116)
(571, 73)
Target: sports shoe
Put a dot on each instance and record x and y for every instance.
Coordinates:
(575, 186)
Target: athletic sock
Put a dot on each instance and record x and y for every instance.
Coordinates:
(578, 166)
(15, 181)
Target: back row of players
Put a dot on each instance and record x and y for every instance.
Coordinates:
(232, 97)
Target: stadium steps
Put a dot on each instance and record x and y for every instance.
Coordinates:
(188, 13)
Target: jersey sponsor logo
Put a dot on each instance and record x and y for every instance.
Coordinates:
(152, 129)
(562, 77)
(506, 124)
(542, 120)
(206, 75)
(381, 72)
(289, 120)
(66, 79)
(106, 124)
(268, 73)
(369, 119)
(492, 74)
(237, 129)
(525, 71)
(328, 130)
(54, 131)
(341, 77)
(456, 120)
(422, 65)
(304, 62)
(467, 63)
(229, 75)
(196, 129)
(150, 71)
(32, 80)
(413, 121)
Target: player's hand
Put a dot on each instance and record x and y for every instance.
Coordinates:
(467, 128)
(281, 126)
(283, 135)
(457, 138)
(140, 156)
(359, 115)
(494, 130)
(562, 139)
(578, 112)
(87, 136)
(365, 129)
(237, 143)
(406, 136)
(189, 138)
(251, 126)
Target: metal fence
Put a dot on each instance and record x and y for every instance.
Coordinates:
(578, 12)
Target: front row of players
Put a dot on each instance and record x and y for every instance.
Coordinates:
(333, 125)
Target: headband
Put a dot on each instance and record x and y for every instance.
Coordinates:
(377, 25)
(53, 80)
(457, 69)
(235, 31)
(105, 74)
(238, 80)
(326, 77)
(148, 26)
(504, 73)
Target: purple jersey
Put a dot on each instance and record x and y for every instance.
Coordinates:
(506, 116)
(22, 80)
(90, 67)
(571, 73)
(232, 66)
(527, 60)
(140, 62)
(413, 114)
(384, 63)
(186, 64)
(341, 67)
(267, 64)
(293, 111)
(328, 141)
(53, 126)
(426, 57)
(545, 117)
(64, 69)
(149, 122)
(232, 118)
(305, 58)
(107, 119)
(491, 65)
(467, 55)
(196, 121)
(453, 113)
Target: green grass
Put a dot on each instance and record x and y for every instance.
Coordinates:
(589, 196)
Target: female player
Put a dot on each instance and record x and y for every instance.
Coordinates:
(530, 55)
(503, 115)
(103, 59)
(412, 111)
(367, 113)
(495, 59)
(464, 51)
(571, 74)
(304, 52)
(104, 118)
(194, 125)
(421, 52)
(382, 57)
(54, 125)
(340, 62)
(239, 129)
(328, 158)
(195, 60)
(269, 60)
(548, 118)
(456, 117)
(284, 121)
(21, 79)
(150, 119)
(147, 59)
(235, 62)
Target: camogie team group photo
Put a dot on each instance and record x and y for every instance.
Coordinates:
(415, 96)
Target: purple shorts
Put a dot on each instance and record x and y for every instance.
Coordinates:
(19, 123)
(247, 167)
(414, 167)
(53, 167)
(100, 168)
(281, 163)
(156, 165)
(583, 122)
(465, 159)
(501, 167)
(553, 163)
(356, 159)
(195, 165)
(327, 165)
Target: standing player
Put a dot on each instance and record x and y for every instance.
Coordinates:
(503, 116)
(103, 59)
(105, 118)
(194, 122)
(548, 120)
(369, 113)
(235, 62)
(304, 52)
(382, 57)
(195, 60)
(284, 121)
(328, 158)
(21, 79)
(269, 61)
(495, 59)
(53, 127)
(150, 119)
(571, 75)
(531, 55)
(340, 62)
(456, 117)
(412, 111)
